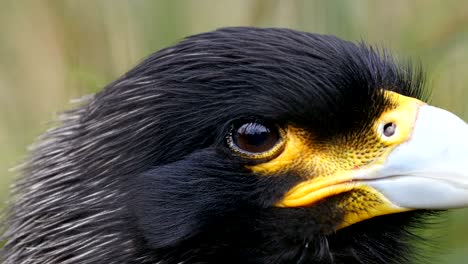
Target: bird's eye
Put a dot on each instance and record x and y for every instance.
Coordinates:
(389, 129)
(255, 139)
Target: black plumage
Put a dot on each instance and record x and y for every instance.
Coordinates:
(141, 173)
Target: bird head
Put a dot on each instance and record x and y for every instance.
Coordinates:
(244, 145)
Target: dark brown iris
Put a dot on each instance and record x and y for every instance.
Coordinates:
(255, 137)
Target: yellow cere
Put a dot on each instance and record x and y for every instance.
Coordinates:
(328, 168)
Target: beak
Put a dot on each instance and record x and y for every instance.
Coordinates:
(427, 170)
(430, 170)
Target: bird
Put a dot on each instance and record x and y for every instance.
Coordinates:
(243, 145)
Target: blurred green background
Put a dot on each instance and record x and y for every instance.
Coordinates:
(54, 51)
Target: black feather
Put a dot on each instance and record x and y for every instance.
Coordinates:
(140, 172)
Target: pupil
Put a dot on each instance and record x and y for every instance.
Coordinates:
(255, 134)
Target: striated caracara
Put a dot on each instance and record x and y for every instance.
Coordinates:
(242, 145)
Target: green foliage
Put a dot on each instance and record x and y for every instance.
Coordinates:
(54, 51)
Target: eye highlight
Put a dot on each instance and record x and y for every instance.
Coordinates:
(255, 139)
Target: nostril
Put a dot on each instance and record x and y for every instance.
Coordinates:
(389, 129)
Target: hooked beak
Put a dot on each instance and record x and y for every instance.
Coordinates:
(430, 170)
(426, 170)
